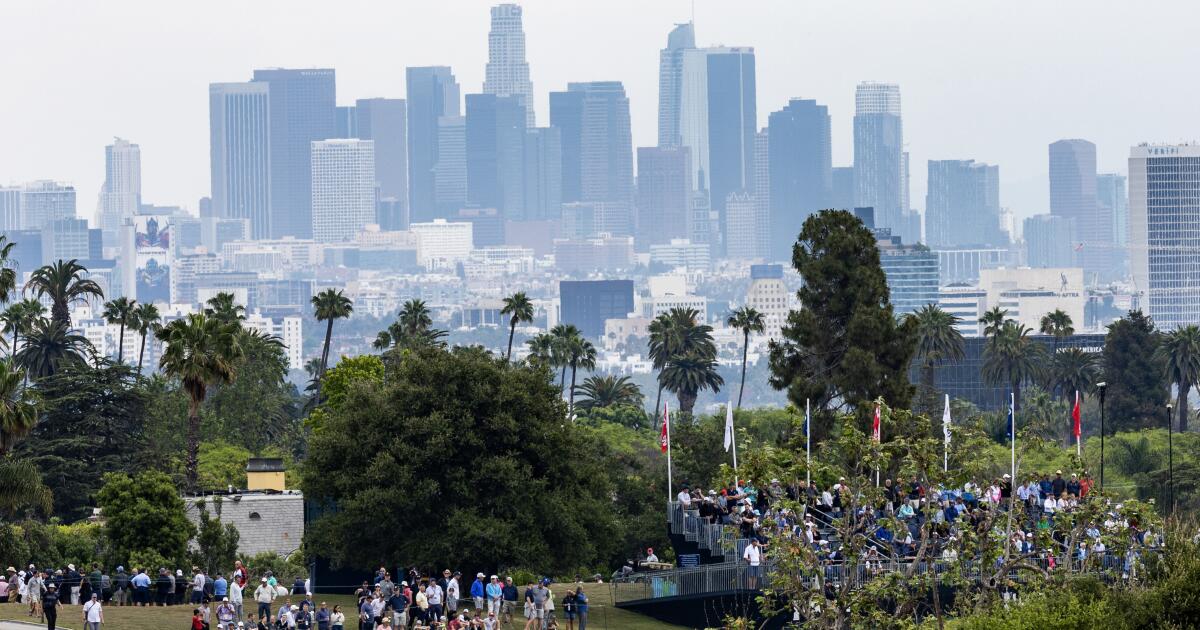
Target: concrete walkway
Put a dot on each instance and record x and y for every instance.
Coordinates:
(22, 625)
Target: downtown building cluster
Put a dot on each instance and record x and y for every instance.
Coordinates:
(458, 197)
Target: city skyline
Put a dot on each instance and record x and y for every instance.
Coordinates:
(941, 112)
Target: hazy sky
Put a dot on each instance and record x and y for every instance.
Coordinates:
(991, 80)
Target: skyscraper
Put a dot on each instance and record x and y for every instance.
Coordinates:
(10, 208)
(597, 144)
(762, 193)
(44, 201)
(450, 171)
(1110, 192)
(239, 153)
(507, 72)
(432, 94)
(347, 122)
(962, 204)
(741, 230)
(801, 170)
(495, 134)
(878, 154)
(343, 188)
(1049, 241)
(302, 109)
(122, 192)
(732, 123)
(670, 83)
(543, 173)
(1073, 195)
(1164, 231)
(843, 188)
(664, 195)
(383, 121)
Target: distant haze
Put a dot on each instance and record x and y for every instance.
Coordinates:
(990, 80)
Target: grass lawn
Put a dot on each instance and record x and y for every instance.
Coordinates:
(602, 614)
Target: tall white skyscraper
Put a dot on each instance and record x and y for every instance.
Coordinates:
(507, 72)
(670, 82)
(122, 191)
(878, 154)
(240, 153)
(343, 188)
(10, 208)
(44, 201)
(1164, 231)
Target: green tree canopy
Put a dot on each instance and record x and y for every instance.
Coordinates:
(1137, 389)
(469, 459)
(144, 517)
(843, 347)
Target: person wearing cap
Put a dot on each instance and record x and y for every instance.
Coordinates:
(650, 557)
(237, 598)
(264, 595)
(478, 592)
(226, 614)
(50, 606)
(121, 587)
(1059, 485)
(70, 584)
(1073, 485)
(495, 595)
(453, 592)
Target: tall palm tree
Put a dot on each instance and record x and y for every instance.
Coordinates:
(519, 309)
(687, 375)
(541, 348)
(1074, 370)
(676, 334)
(19, 318)
(48, 345)
(120, 311)
(609, 391)
(146, 320)
(748, 320)
(201, 351)
(415, 317)
(328, 306)
(993, 320)
(580, 354)
(1180, 350)
(8, 275)
(64, 283)
(18, 411)
(937, 340)
(224, 306)
(560, 350)
(1057, 324)
(412, 330)
(1011, 357)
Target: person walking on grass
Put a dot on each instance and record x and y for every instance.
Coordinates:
(264, 595)
(50, 606)
(581, 607)
(93, 613)
(35, 588)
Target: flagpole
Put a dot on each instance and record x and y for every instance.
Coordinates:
(808, 443)
(1013, 442)
(667, 427)
(733, 436)
(1078, 426)
(946, 433)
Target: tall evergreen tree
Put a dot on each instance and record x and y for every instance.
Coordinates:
(843, 347)
(1135, 375)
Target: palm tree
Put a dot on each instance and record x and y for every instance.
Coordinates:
(1074, 370)
(201, 351)
(748, 320)
(1058, 325)
(993, 320)
(414, 317)
(146, 319)
(519, 309)
(64, 283)
(19, 319)
(328, 306)
(541, 348)
(687, 375)
(1180, 350)
(48, 345)
(609, 391)
(120, 311)
(18, 412)
(1011, 357)
(937, 340)
(412, 330)
(676, 334)
(580, 354)
(8, 275)
(560, 350)
(223, 306)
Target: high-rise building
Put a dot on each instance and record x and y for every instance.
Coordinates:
(587, 303)
(597, 144)
(495, 135)
(239, 154)
(762, 192)
(1164, 231)
(443, 244)
(10, 208)
(44, 201)
(962, 204)
(801, 166)
(670, 83)
(732, 124)
(1073, 195)
(450, 171)
(769, 295)
(122, 192)
(66, 239)
(1110, 191)
(343, 188)
(347, 122)
(383, 121)
(302, 109)
(1050, 241)
(741, 227)
(878, 154)
(911, 271)
(507, 72)
(543, 173)
(843, 188)
(664, 195)
(433, 94)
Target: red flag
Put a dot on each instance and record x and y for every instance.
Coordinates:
(1075, 416)
(664, 437)
(875, 425)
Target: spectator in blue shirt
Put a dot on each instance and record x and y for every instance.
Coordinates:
(220, 587)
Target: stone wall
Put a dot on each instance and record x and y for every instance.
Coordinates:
(266, 522)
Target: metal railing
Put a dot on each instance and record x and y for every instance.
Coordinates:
(691, 582)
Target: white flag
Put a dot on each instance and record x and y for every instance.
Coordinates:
(946, 421)
(728, 427)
